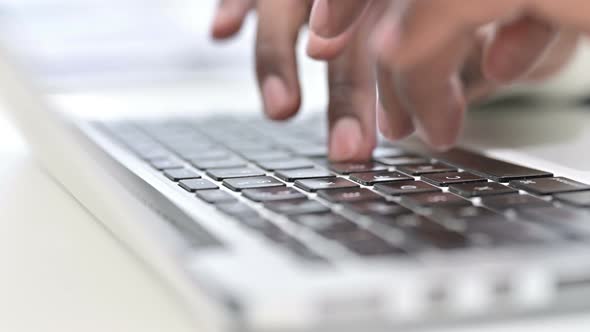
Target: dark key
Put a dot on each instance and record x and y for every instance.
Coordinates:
(446, 179)
(296, 207)
(508, 202)
(425, 231)
(459, 218)
(193, 185)
(572, 223)
(418, 170)
(288, 164)
(365, 243)
(549, 186)
(237, 209)
(273, 194)
(215, 164)
(313, 185)
(267, 155)
(164, 164)
(493, 169)
(512, 233)
(581, 199)
(325, 224)
(378, 208)
(230, 173)
(215, 196)
(307, 173)
(405, 188)
(481, 189)
(238, 184)
(372, 178)
(348, 168)
(181, 174)
(403, 161)
(431, 200)
(348, 195)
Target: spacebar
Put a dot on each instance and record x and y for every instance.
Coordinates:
(492, 169)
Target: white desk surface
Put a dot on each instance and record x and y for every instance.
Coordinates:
(63, 272)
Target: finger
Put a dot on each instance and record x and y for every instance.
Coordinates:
(279, 23)
(433, 93)
(351, 109)
(394, 120)
(556, 57)
(229, 17)
(476, 86)
(425, 27)
(330, 18)
(517, 48)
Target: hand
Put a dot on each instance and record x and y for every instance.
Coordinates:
(434, 57)
(350, 74)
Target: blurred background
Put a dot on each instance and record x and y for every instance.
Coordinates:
(108, 58)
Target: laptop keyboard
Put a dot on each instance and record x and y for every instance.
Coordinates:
(401, 203)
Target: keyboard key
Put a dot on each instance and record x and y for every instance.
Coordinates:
(215, 196)
(405, 188)
(431, 200)
(470, 190)
(418, 170)
(296, 207)
(348, 195)
(348, 168)
(307, 173)
(365, 243)
(273, 194)
(325, 224)
(446, 179)
(164, 164)
(492, 169)
(424, 232)
(508, 202)
(215, 164)
(230, 173)
(459, 218)
(549, 186)
(238, 210)
(372, 178)
(388, 152)
(403, 161)
(151, 153)
(204, 155)
(288, 164)
(310, 151)
(313, 185)
(580, 199)
(181, 174)
(572, 223)
(378, 208)
(267, 155)
(193, 185)
(511, 233)
(238, 184)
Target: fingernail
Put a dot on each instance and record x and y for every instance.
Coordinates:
(319, 17)
(275, 96)
(346, 139)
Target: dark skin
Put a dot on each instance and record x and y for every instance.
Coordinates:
(429, 59)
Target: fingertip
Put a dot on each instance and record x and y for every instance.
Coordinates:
(393, 130)
(225, 25)
(346, 140)
(279, 102)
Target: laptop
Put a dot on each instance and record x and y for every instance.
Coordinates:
(256, 230)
